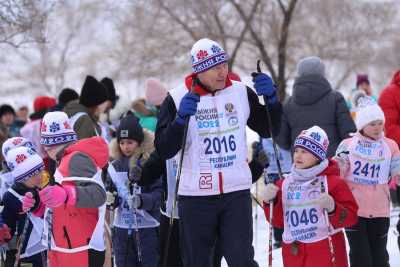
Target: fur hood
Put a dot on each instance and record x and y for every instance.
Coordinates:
(143, 151)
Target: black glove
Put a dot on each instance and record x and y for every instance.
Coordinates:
(259, 154)
(262, 158)
(135, 174)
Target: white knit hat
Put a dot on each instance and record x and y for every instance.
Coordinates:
(14, 142)
(206, 54)
(56, 129)
(24, 163)
(314, 140)
(368, 113)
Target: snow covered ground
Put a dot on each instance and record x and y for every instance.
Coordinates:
(260, 241)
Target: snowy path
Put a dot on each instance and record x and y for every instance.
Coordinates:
(261, 241)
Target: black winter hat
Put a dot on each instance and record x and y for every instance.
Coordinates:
(93, 92)
(129, 128)
(67, 95)
(5, 108)
(109, 84)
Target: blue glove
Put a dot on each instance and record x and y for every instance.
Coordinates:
(264, 86)
(187, 107)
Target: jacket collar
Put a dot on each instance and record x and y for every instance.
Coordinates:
(200, 89)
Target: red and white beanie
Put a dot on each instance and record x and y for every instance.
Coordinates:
(15, 142)
(24, 163)
(56, 129)
(206, 54)
(314, 140)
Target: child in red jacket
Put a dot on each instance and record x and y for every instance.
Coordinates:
(75, 205)
(301, 201)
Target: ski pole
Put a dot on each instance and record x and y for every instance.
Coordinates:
(276, 152)
(271, 229)
(137, 236)
(178, 178)
(328, 225)
(112, 196)
(133, 178)
(269, 120)
(21, 240)
(50, 219)
(132, 189)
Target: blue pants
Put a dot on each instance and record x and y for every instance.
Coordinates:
(227, 216)
(125, 247)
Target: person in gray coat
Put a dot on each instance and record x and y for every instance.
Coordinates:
(314, 103)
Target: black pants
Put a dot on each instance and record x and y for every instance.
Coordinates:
(368, 240)
(278, 232)
(174, 251)
(96, 258)
(227, 216)
(218, 255)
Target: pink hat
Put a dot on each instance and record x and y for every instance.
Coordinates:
(155, 92)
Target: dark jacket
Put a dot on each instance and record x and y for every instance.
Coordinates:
(12, 212)
(315, 103)
(169, 134)
(86, 126)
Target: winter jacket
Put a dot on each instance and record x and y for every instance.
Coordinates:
(82, 159)
(315, 103)
(86, 126)
(344, 215)
(373, 200)
(169, 134)
(12, 212)
(389, 101)
(151, 192)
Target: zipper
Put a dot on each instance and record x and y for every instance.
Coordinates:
(67, 237)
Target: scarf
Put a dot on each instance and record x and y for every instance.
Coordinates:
(302, 175)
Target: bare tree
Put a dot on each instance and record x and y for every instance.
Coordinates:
(280, 32)
(23, 21)
(243, 29)
(132, 40)
(160, 33)
(48, 63)
(346, 34)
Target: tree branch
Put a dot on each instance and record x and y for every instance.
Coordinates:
(259, 44)
(282, 47)
(240, 40)
(282, 6)
(178, 20)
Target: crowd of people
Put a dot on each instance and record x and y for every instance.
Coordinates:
(88, 181)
